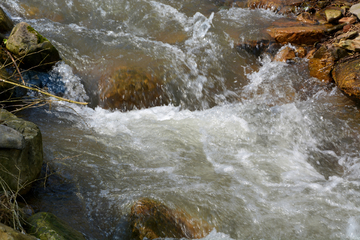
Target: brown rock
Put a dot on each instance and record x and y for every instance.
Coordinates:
(152, 219)
(297, 34)
(348, 20)
(130, 88)
(347, 78)
(274, 5)
(321, 64)
(285, 55)
(305, 17)
(346, 28)
(6, 24)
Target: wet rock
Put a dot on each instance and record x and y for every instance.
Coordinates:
(350, 45)
(10, 138)
(127, 89)
(355, 9)
(333, 15)
(151, 219)
(289, 54)
(7, 233)
(275, 5)
(306, 17)
(321, 64)
(20, 162)
(254, 47)
(297, 33)
(347, 20)
(45, 225)
(347, 78)
(36, 51)
(6, 24)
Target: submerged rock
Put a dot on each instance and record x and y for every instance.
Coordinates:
(127, 89)
(151, 219)
(7, 233)
(347, 78)
(37, 52)
(6, 24)
(45, 225)
(21, 157)
(321, 64)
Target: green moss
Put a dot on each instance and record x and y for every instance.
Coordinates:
(38, 35)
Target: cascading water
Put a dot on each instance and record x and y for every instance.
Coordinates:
(257, 148)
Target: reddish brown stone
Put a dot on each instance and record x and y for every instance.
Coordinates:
(300, 34)
(348, 20)
(346, 28)
(321, 64)
(347, 78)
(152, 219)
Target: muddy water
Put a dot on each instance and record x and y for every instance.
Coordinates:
(257, 148)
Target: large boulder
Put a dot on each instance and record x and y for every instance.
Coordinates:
(35, 50)
(151, 219)
(46, 226)
(347, 78)
(21, 152)
(7, 233)
(6, 24)
(132, 88)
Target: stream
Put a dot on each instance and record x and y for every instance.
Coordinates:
(257, 148)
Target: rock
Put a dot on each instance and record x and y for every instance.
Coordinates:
(10, 138)
(274, 5)
(348, 20)
(254, 47)
(297, 33)
(347, 78)
(45, 225)
(288, 54)
(20, 164)
(24, 41)
(152, 219)
(355, 9)
(321, 64)
(305, 17)
(333, 15)
(6, 24)
(7, 233)
(285, 55)
(130, 88)
(350, 45)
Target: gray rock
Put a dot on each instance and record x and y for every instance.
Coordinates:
(10, 138)
(20, 167)
(355, 9)
(6, 24)
(24, 41)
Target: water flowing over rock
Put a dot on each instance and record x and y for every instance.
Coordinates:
(45, 225)
(6, 24)
(21, 154)
(346, 76)
(321, 64)
(152, 219)
(7, 233)
(131, 88)
(36, 51)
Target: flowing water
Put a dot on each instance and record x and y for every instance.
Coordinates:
(257, 148)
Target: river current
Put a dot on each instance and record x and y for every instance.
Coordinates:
(257, 148)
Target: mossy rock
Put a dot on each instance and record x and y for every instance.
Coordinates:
(6, 24)
(37, 51)
(46, 226)
(152, 219)
(7, 233)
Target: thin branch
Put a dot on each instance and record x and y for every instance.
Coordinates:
(16, 66)
(43, 92)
